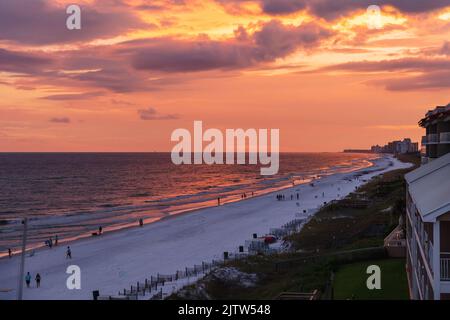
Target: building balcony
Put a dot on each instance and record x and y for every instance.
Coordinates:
(424, 140)
(445, 266)
(432, 138)
(444, 137)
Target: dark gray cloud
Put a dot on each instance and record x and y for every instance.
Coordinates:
(273, 41)
(125, 67)
(330, 9)
(63, 120)
(439, 80)
(74, 69)
(405, 64)
(283, 6)
(150, 5)
(411, 73)
(117, 78)
(72, 96)
(22, 62)
(38, 22)
(152, 114)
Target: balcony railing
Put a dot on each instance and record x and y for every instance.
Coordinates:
(444, 137)
(424, 140)
(432, 138)
(445, 266)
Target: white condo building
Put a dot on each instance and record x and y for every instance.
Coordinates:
(428, 212)
(428, 230)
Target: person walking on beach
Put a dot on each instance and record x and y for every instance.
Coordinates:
(100, 230)
(9, 253)
(141, 222)
(50, 243)
(28, 279)
(298, 196)
(56, 240)
(38, 280)
(68, 253)
(218, 201)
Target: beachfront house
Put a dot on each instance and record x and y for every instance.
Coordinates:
(428, 212)
(437, 138)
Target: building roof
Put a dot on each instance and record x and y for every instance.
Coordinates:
(437, 114)
(429, 187)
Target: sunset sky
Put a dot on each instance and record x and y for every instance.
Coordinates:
(138, 69)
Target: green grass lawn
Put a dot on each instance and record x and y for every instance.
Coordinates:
(350, 281)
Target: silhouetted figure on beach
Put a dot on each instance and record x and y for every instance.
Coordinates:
(292, 197)
(9, 253)
(50, 243)
(38, 280)
(141, 222)
(56, 240)
(68, 253)
(28, 279)
(100, 230)
(298, 196)
(218, 201)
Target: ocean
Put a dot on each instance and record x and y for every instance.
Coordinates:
(72, 194)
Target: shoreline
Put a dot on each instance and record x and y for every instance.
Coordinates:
(207, 204)
(135, 253)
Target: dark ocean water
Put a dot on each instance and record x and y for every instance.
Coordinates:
(71, 194)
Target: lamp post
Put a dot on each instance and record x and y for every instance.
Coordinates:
(22, 260)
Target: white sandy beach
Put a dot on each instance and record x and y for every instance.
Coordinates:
(119, 259)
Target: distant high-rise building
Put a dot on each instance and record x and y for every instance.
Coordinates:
(397, 147)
